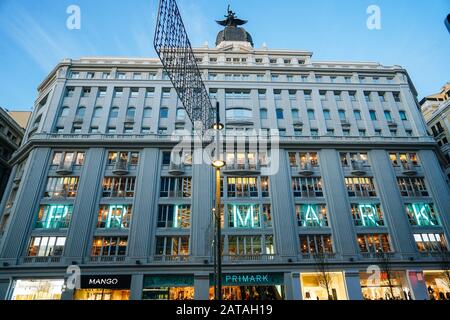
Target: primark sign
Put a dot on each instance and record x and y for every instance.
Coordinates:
(253, 279)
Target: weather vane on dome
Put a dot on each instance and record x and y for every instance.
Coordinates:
(231, 19)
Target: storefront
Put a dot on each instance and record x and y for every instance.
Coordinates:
(250, 286)
(376, 287)
(438, 285)
(112, 287)
(315, 286)
(168, 287)
(37, 289)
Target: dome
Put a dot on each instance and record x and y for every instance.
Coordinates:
(232, 31)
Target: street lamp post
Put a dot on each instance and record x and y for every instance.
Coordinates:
(218, 163)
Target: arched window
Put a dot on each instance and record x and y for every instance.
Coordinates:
(164, 113)
(263, 113)
(81, 112)
(64, 112)
(131, 113)
(147, 112)
(181, 114)
(97, 112)
(114, 113)
(280, 114)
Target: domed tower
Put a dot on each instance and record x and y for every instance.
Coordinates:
(232, 31)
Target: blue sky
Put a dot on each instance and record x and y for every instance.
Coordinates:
(34, 37)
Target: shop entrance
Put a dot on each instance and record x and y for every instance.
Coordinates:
(380, 289)
(438, 285)
(168, 287)
(101, 294)
(37, 289)
(250, 286)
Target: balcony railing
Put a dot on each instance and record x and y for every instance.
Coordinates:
(41, 260)
(171, 258)
(106, 259)
(311, 256)
(245, 168)
(249, 257)
(305, 169)
(64, 168)
(176, 169)
(120, 168)
(408, 169)
(357, 168)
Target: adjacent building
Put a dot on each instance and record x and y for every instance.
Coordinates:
(436, 111)
(94, 185)
(11, 134)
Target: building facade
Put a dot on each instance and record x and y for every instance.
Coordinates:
(11, 135)
(94, 185)
(436, 111)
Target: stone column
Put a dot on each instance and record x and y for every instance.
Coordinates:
(201, 285)
(284, 224)
(137, 285)
(292, 286)
(417, 285)
(145, 207)
(16, 236)
(338, 206)
(85, 206)
(353, 285)
(392, 206)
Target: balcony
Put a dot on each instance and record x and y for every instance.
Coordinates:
(29, 260)
(176, 169)
(120, 168)
(129, 120)
(408, 169)
(65, 169)
(392, 124)
(106, 259)
(309, 256)
(171, 258)
(357, 168)
(345, 123)
(298, 122)
(248, 258)
(78, 120)
(242, 169)
(305, 169)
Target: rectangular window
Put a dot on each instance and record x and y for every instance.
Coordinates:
(102, 92)
(367, 215)
(54, 217)
(116, 187)
(406, 160)
(422, 214)
(360, 187)
(312, 243)
(68, 158)
(412, 187)
(46, 246)
(109, 246)
(403, 115)
(175, 187)
(123, 157)
(61, 187)
(244, 216)
(307, 187)
(430, 242)
(174, 216)
(172, 246)
(354, 159)
(264, 187)
(311, 215)
(118, 92)
(242, 187)
(374, 243)
(250, 245)
(150, 92)
(114, 216)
